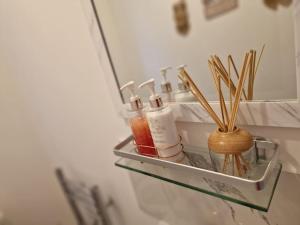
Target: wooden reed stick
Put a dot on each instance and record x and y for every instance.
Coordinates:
(229, 78)
(219, 62)
(224, 108)
(224, 76)
(208, 109)
(253, 71)
(217, 81)
(187, 79)
(254, 62)
(237, 97)
(238, 165)
(225, 72)
(237, 74)
(251, 76)
(259, 58)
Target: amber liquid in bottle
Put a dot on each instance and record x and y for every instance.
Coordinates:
(142, 136)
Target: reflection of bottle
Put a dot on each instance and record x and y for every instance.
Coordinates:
(162, 126)
(138, 123)
(166, 86)
(183, 94)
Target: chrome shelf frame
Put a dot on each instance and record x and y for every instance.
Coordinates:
(127, 150)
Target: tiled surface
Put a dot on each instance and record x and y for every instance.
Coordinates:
(177, 205)
(276, 114)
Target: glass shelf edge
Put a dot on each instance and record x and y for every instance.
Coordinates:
(216, 195)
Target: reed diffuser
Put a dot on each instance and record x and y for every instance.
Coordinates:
(228, 142)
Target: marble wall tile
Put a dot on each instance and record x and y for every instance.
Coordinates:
(275, 114)
(178, 205)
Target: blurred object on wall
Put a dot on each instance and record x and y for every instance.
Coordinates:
(3, 219)
(213, 8)
(181, 17)
(86, 202)
(273, 4)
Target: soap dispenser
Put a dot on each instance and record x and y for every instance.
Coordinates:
(162, 126)
(183, 94)
(166, 86)
(138, 123)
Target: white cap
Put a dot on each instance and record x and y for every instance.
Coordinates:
(154, 99)
(166, 86)
(135, 100)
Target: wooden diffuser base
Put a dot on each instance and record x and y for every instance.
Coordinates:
(228, 151)
(234, 142)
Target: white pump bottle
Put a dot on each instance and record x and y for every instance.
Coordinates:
(166, 86)
(162, 126)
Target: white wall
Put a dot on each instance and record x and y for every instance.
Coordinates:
(51, 57)
(142, 38)
(29, 191)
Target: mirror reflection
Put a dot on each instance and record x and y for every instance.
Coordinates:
(145, 36)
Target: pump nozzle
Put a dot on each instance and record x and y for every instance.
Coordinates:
(154, 99)
(135, 100)
(181, 84)
(166, 86)
(150, 85)
(130, 87)
(181, 67)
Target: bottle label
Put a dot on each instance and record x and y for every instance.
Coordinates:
(164, 132)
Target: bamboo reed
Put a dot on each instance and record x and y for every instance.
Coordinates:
(237, 74)
(251, 76)
(217, 81)
(229, 78)
(224, 76)
(259, 58)
(237, 96)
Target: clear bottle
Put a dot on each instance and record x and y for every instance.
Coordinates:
(166, 86)
(138, 123)
(162, 126)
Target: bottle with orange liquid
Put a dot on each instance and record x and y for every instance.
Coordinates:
(139, 124)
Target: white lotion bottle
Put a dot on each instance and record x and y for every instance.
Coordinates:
(183, 94)
(166, 86)
(162, 126)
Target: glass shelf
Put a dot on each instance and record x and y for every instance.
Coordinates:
(197, 174)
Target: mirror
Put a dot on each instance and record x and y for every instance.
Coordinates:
(143, 36)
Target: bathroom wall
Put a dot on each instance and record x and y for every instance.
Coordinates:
(67, 113)
(29, 192)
